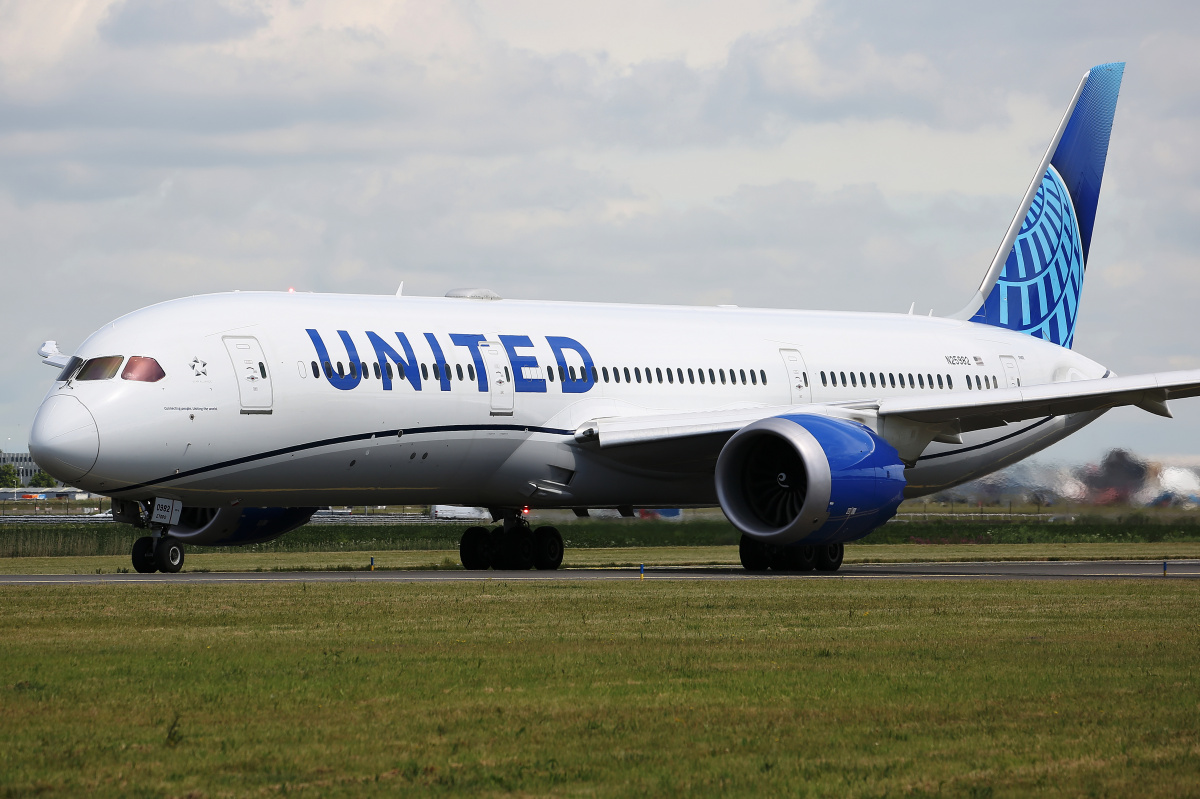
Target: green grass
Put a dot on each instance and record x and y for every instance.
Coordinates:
(497, 688)
(620, 557)
(27, 540)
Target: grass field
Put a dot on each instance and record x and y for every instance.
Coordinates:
(621, 557)
(61, 540)
(508, 688)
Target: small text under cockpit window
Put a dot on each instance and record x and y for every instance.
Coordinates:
(100, 368)
(143, 370)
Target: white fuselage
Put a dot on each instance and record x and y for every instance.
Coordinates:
(213, 432)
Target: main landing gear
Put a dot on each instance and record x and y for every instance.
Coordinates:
(758, 556)
(159, 553)
(514, 546)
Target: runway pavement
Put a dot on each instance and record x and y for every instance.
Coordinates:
(1020, 570)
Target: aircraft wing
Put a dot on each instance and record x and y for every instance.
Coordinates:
(696, 437)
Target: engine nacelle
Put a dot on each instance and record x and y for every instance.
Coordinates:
(236, 526)
(808, 478)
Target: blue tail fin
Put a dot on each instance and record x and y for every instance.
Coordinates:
(1036, 288)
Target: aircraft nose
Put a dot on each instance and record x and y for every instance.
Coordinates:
(64, 440)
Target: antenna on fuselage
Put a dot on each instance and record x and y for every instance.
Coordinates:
(400, 291)
(912, 308)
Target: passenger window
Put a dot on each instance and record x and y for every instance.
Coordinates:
(378, 374)
(823, 381)
(424, 372)
(922, 379)
(862, 380)
(262, 370)
(872, 380)
(562, 375)
(550, 373)
(471, 371)
(911, 383)
(949, 382)
(604, 372)
(701, 376)
(670, 376)
(930, 380)
(594, 378)
(892, 378)
(399, 369)
(853, 382)
(329, 370)
(657, 372)
(100, 368)
(969, 386)
(341, 372)
(902, 380)
(571, 373)
(722, 373)
(712, 377)
(637, 373)
(994, 383)
(145, 370)
(691, 377)
(316, 369)
(753, 378)
(742, 374)
(939, 382)
(843, 376)
(762, 376)
(507, 376)
(627, 375)
(458, 370)
(679, 374)
(978, 385)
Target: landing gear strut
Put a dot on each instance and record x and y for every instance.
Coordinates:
(758, 556)
(514, 546)
(159, 553)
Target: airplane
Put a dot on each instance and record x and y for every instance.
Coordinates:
(229, 418)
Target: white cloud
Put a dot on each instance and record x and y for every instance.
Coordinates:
(817, 155)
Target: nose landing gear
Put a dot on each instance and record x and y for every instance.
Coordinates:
(159, 553)
(515, 546)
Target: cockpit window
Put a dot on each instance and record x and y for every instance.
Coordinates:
(70, 369)
(143, 370)
(100, 368)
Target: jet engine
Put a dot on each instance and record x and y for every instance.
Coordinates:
(808, 478)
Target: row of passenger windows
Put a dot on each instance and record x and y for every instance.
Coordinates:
(356, 369)
(569, 374)
(675, 375)
(890, 380)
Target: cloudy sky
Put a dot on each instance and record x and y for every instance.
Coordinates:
(855, 156)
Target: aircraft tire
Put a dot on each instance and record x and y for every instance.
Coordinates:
(498, 549)
(754, 554)
(794, 558)
(829, 557)
(168, 555)
(547, 548)
(474, 549)
(519, 546)
(143, 555)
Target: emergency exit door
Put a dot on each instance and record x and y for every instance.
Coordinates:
(797, 375)
(250, 368)
(500, 384)
(1012, 375)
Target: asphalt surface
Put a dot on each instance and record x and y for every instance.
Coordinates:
(1018, 570)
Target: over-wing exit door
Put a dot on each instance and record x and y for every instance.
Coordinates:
(250, 367)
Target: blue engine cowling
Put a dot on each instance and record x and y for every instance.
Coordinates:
(234, 526)
(807, 478)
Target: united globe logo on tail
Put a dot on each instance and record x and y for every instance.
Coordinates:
(1038, 291)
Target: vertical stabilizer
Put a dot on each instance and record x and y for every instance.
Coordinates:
(1035, 282)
